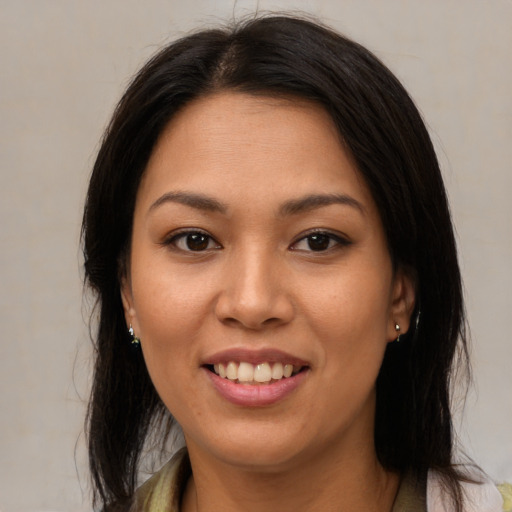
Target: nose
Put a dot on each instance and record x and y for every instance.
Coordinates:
(254, 293)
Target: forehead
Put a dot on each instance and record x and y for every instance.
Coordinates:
(242, 146)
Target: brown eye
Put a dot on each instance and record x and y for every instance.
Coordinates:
(319, 242)
(197, 241)
(193, 241)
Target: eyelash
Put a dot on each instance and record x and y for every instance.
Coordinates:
(334, 241)
(175, 238)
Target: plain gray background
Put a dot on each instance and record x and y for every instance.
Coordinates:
(64, 65)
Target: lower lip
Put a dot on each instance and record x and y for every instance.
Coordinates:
(257, 395)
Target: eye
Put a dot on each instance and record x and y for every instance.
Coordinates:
(193, 241)
(319, 241)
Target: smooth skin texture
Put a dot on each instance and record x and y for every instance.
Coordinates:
(224, 256)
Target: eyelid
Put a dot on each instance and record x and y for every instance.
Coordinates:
(170, 239)
(341, 239)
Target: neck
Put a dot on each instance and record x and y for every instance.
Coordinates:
(325, 482)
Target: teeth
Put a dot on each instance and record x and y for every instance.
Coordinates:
(277, 371)
(245, 372)
(262, 373)
(248, 373)
(232, 371)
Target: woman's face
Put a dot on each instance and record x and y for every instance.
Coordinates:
(257, 251)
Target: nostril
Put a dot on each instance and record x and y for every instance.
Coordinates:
(253, 313)
(250, 323)
(231, 321)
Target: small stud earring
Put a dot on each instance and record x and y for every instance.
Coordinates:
(397, 329)
(135, 340)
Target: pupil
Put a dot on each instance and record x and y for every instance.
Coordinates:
(197, 242)
(318, 242)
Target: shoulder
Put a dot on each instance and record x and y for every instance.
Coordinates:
(162, 492)
(506, 494)
(480, 497)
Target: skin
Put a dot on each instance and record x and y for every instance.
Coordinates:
(258, 285)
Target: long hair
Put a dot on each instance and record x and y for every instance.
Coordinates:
(383, 130)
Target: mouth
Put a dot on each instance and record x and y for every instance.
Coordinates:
(255, 374)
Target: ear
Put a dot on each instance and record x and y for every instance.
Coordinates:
(402, 304)
(130, 314)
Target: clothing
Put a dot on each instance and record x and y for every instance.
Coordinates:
(162, 492)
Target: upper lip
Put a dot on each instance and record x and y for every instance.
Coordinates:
(266, 355)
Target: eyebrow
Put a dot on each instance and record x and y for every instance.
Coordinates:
(198, 201)
(291, 207)
(314, 201)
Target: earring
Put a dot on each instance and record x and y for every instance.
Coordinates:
(397, 329)
(135, 340)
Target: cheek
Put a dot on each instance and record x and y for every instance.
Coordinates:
(350, 301)
(171, 313)
(351, 325)
(349, 314)
(170, 319)
(168, 302)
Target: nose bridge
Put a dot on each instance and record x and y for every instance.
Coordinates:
(254, 294)
(256, 284)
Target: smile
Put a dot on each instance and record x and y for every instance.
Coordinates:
(254, 374)
(255, 378)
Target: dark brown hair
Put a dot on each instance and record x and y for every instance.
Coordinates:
(381, 127)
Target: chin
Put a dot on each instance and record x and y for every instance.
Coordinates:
(260, 457)
(264, 448)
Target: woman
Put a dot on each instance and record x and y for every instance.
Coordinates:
(268, 235)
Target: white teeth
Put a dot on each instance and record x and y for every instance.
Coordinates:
(277, 371)
(245, 372)
(232, 371)
(262, 373)
(248, 373)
